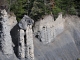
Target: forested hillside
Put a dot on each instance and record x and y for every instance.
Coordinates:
(38, 8)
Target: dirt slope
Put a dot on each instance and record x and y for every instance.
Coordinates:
(66, 45)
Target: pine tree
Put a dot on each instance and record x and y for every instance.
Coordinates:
(66, 6)
(40, 8)
(34, 8)
(18, 8)
(37, 8)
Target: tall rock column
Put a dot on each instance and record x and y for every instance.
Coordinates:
(29, 43)
(7, 24)
(26, 48)
(21, 44)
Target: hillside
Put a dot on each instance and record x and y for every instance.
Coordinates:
(39, 30)
(66, 46)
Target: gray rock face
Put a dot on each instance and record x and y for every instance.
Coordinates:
(47, 29)
(7, 57)
(7, 23)
(25, 21)
(29, 43)
(21, 44)
(66, 46)
(26, 47)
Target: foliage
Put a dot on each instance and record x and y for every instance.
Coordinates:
(55, 11)
(78, 59)
(34, 8)
(77, 6)
(72, 11)
(66, 6)
(18, 8)
(37, 8)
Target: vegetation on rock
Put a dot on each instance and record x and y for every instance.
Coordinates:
(37, 8)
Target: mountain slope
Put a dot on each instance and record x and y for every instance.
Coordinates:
(66, 45)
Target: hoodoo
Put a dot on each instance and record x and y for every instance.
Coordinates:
(7, 22)
(26, 48)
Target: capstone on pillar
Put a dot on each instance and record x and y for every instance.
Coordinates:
(26, 38)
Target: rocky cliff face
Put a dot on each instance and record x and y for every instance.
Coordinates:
(47, 29)
(65, 45)
(7, 22)
(26, 47)
(16, 39)
(56, 40)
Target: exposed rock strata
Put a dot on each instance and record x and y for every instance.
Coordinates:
(47, 29)
(65, 47)
(7, 22)
(26, 48)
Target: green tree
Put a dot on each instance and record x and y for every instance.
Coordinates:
(67, 6)
(37, 8)
(77, 6)
(18, 7)
(34, 8)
